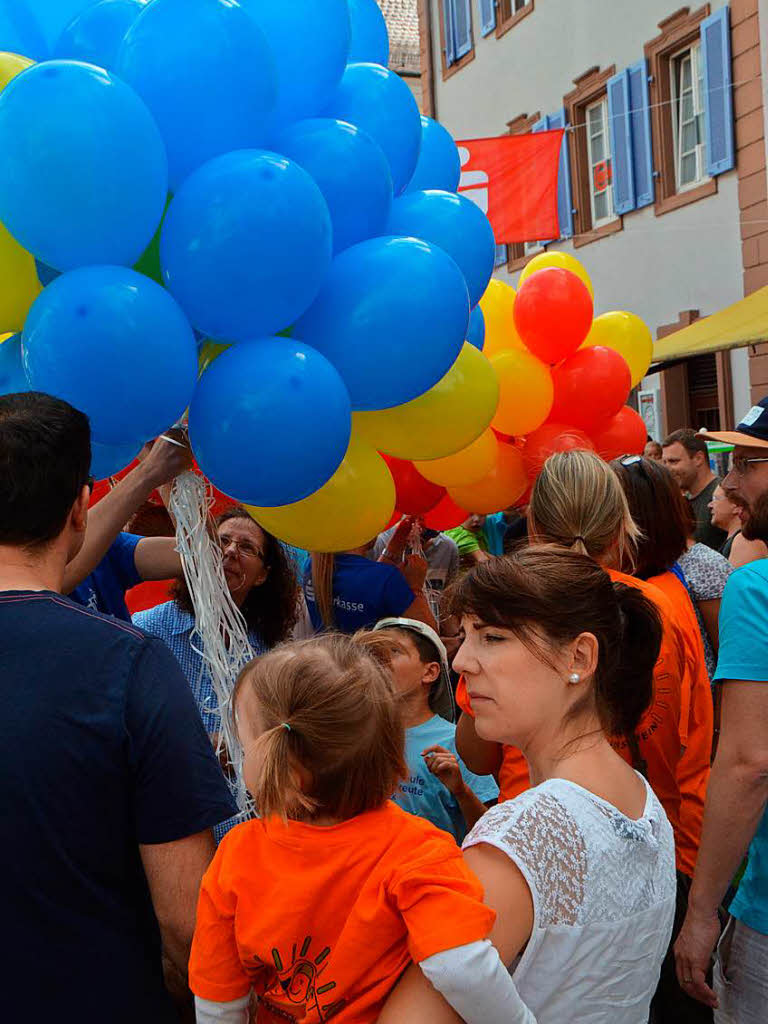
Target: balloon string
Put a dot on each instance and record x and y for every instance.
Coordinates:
(220, 635)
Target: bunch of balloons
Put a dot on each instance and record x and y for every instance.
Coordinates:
(232, 210)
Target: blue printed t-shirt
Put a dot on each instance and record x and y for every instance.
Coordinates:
(104, 590)
(424, 794)
(363, 593)
(101, 749)
(744, 655)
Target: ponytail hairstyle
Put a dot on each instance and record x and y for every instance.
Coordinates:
(323, 566)
(578, 504)
(328, 705)
(547, 596)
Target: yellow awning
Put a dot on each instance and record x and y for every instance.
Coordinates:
(743, 323)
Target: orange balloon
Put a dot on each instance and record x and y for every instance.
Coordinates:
(525, 392)
(497, 305)
(502, 487)
(465, 467)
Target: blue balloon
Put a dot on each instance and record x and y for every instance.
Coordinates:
(476, 331)
(351, 172)
(205, 70)
(246, 244)
(45, 274)
(439, 164)
(114, 344)
(107, 460)
(12, 377)
(83, 178)
(95, 35)
(370, 39)
(378, 101)
(310, 45)
(31, 27)
(392, 317)
(270, 421)
(454, 223)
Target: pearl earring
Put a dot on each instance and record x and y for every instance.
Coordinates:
(574, 678)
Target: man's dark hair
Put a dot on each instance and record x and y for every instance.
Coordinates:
(689, 439)
(45, 459)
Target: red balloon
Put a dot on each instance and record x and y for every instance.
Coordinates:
(551, 438)
(625, 434)
(445, 515)
(415, 494)
(590, 387)
(553, 313)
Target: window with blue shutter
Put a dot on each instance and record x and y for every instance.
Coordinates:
(487, 16)
(448, 30)
(564, 198)
(640, 132)
(462, 27)
(621, 143)
(501, 256)
(718, 109)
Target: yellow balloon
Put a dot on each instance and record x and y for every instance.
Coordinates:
(19, 286)
(556, 259)
(442, 421)
(12, 64)
(626, 334)
(526, 392)
(497, 305)
(348, 511)
(465, 467)
(501, 488)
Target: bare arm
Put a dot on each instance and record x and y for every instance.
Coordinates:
(483, 757)
(477, 556)
(736, 801)
(445, 766)
(174, 872)
(710, 613)
(107, 518)
(157, 558)
(420, 610)
(743, 551)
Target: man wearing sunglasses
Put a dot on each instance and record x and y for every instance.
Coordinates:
(735, 818)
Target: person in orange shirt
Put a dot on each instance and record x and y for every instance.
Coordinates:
(649, 488)
(578, 503)
(319, 906)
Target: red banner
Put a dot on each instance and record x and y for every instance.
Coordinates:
(513, 179)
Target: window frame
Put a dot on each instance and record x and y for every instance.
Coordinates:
(448, 70)
(505, 22)
(591, 87)
(677, 33)
(602, 102)
(699, 150)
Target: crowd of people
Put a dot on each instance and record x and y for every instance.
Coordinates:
(512, 772)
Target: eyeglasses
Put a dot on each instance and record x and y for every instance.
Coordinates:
(241, 547)
(741, 464)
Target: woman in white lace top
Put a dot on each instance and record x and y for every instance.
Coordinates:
(581, 867)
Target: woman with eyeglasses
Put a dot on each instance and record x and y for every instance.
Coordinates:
(263, 585)
(726, 515)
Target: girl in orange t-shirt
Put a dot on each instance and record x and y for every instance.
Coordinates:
(318, 907)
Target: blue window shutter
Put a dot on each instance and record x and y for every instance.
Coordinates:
(463, 27)
(621, 143)
(450, 35)
(487, 16)
(718, 99)
(501, 256)
(640, 133)
(564, 198)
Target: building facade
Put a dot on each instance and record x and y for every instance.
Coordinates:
(662, 184)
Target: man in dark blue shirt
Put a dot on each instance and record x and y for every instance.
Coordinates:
(110, 787)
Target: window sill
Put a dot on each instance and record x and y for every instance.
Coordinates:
(505, 26)
(449, 72)
(674, 202)
(612, 228)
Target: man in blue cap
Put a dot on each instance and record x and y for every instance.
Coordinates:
(735, 819)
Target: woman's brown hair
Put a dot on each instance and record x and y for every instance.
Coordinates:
(270, 609)
(577, 502)
(323, 566)
(329, 705)
(664, 516)
(547, 596)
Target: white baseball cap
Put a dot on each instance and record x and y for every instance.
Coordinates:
(441, 698)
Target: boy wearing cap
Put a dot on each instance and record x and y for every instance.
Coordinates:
(440, 787)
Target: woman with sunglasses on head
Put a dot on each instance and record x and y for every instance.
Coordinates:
(580, 868)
